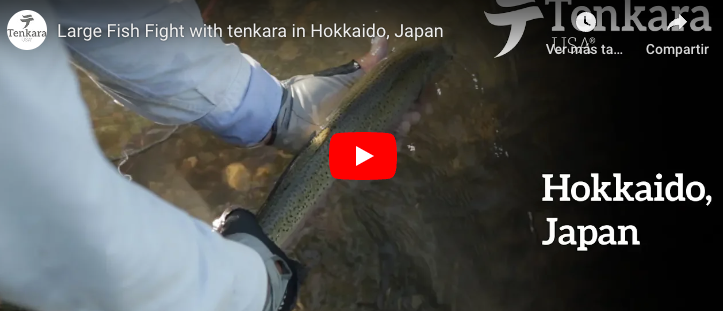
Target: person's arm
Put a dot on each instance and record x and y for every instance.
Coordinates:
(74, 234)
(178, 80)
(202, 80)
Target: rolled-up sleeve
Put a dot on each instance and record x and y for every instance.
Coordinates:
(168, 78)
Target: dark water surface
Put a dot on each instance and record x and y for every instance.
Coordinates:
(457, 228)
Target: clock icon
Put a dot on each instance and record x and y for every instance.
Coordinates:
(585, 22)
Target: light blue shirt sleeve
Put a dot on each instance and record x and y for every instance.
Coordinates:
(173, 80)
(74, 234)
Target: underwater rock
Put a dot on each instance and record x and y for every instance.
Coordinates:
(237, 176)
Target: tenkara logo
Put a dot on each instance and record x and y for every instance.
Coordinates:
(27, 30)
(516, 19)
(660, 18)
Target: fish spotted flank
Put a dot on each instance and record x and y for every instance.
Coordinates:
(373, 104)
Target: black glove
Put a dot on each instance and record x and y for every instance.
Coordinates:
(238, 220)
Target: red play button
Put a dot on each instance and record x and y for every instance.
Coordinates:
(363, 156)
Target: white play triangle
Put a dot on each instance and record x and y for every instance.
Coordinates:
(362, 156)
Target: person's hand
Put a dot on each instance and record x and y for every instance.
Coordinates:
(240, 225)
(310, 99)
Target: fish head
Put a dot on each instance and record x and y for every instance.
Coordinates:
(429, 57)
(440, 54)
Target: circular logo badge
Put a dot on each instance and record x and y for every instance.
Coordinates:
(27, 30)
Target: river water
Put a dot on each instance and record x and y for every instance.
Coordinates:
(455, 229)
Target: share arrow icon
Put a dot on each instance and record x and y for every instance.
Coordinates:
(680, 22)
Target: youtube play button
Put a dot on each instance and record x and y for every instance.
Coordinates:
(363, 156)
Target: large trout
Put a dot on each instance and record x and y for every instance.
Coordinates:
(375, 103)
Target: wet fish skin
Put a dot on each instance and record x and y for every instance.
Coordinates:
(373, 104)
